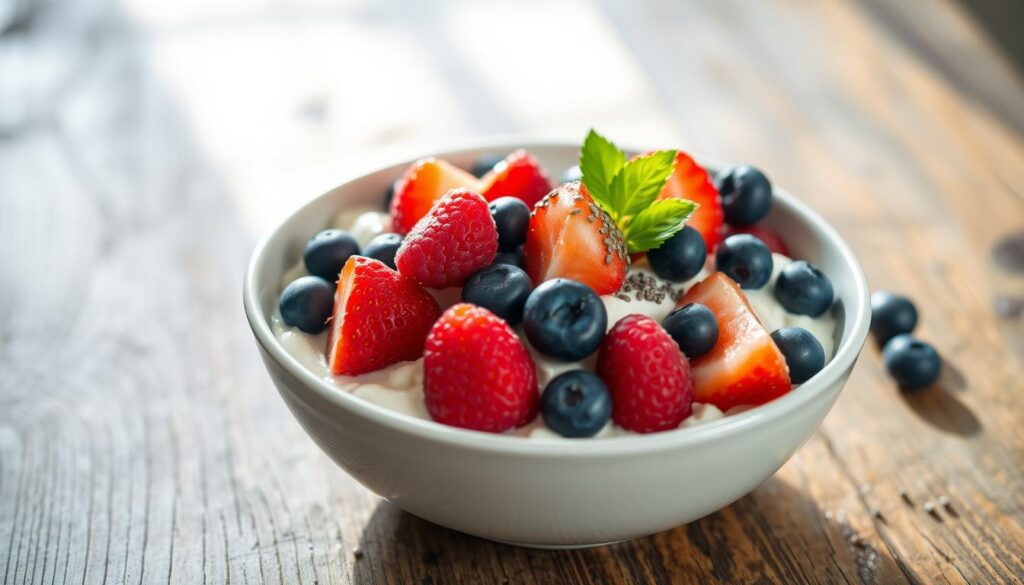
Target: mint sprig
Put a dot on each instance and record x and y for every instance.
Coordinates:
(628, 192)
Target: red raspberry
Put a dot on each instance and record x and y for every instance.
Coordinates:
(476, 373)
(649, 378)
(457, 238)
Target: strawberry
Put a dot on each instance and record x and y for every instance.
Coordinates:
(571, 237)
(476, 373)
(380, 318)
(647, 375)
(519, 175)
(424, 182)
(457, 238)
(691, 181)
(770, 237)
(744, 367)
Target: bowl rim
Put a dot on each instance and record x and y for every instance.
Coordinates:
(844, 358)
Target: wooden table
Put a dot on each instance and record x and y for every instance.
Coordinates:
(144, 145)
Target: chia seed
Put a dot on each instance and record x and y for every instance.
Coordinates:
(647, 288)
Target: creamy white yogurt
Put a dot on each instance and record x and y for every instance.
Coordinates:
(363, 223)
(399, 387)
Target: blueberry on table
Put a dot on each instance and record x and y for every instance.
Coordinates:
(744, 259)
(327, 252)
(746, 195)
(512, 217)
(680, 257)
(571, 174)
(802, 350)
(484, 164)
(500, 288)
(891, 315)
(913, 363)
(694, 328)
(564, 319)
(514, 257)
(306, 303)
(576, 404)
(383, 247)
(802, 289)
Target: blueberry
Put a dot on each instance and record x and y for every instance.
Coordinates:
(746, 195)
(327, 252)
(512, 217)
(389, 195)
(383, 247)
(891, 314)
(571, 174)
(681, 257)
(803, 289)
(802, 350)
(515, 258)
(745, 259)
(576, 404)
(500, 288)
(306, 303)
(694, 328)
(564, 319)
(913, 363)
(484, 164)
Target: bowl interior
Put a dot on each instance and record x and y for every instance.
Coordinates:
(808, 236)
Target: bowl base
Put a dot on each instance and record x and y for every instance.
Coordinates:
(562, 546)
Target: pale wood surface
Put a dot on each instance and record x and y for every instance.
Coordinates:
(145, 145)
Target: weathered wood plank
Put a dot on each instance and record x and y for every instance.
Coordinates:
(140, 440)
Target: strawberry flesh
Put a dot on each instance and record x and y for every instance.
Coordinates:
(520, 176)
(423, 183)
(571, 237)
(380, 318)
(690, 181)
(745, 367)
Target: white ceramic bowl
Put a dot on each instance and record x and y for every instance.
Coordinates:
(553, 493)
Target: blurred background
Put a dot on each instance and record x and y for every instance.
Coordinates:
(146, 144)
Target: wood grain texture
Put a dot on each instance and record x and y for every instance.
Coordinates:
(144, 146)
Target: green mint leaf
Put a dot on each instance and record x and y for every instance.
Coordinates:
(659, 222)
(600, 161)
(639, 182)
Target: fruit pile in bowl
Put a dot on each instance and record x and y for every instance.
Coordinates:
(640, 296)
(692, 319)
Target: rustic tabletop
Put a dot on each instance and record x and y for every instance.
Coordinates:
(145, 145)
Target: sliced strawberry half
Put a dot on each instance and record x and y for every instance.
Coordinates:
(571, 237)
(690, 181)
(424, 182)
(745, 367)
(380, 318)
(519, 175)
